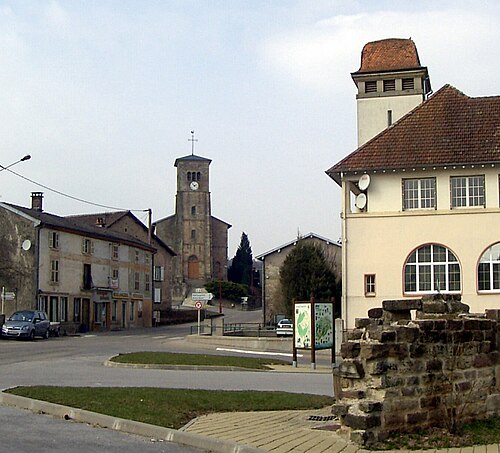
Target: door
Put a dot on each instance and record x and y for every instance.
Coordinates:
(193, 268)
(124, 314)
(86, 313)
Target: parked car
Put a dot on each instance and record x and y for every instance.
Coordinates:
(284, 328)
(27, 324)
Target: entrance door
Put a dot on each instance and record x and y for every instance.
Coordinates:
(86, 313)
(124, 314)
(193, 268)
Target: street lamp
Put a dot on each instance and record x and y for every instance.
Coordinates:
(27, 157)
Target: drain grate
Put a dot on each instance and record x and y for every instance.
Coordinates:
(322, 418)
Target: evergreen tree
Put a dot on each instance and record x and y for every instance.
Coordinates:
(305, 273)
(241, 267)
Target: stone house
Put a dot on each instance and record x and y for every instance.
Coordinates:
(83, 276)
(274, 259)
(420, 199)
(161, 266)
(199, 239)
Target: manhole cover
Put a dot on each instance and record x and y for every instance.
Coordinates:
(321, 418)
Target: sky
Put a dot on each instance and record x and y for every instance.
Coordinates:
(103, 95)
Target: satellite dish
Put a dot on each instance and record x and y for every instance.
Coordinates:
(26, 245)
(361, 201)
(364, 182)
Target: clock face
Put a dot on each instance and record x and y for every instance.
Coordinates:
(194, 185)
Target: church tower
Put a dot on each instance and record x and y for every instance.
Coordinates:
(391, 82)
(198, 238)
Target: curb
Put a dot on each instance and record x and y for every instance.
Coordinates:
(127, 426)
(111, 364)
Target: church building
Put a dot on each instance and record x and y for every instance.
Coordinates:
(198, 238)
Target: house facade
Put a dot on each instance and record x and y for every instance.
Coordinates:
(421, 206)
(161, 266)
(198, 238)
(274, 259)
(83, 276)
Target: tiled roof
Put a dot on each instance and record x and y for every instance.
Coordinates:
(294, 242)
(389, 55)
(449, 128)
(110, 218)
(81, 228)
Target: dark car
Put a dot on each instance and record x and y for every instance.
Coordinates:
(27, 324)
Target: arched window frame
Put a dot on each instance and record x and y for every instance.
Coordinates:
(488, 270)
(189, 176)
(423, 267)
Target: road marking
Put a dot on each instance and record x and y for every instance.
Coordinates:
(241, 351)
(174, 338)
(161, 337)
(89, 336)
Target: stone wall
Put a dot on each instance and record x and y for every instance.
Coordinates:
(401, 375)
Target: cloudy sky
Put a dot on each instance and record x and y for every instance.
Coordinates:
(103, 95)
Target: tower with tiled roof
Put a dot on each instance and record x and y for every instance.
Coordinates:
(391, 82)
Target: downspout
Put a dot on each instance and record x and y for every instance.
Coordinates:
(344, 250)
(37, 265)
(263, 286)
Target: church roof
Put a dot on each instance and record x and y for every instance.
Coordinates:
(389, 55)
(450, 128)
(191, 157)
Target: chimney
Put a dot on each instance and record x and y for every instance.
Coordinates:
(36, 201)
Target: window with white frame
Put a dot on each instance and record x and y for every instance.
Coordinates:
(147, 284)
(159, 273)
(467, 191)
(137, 256)
(157, 298)
(87, 246)
(369, 285)
(132, 310)
(114, 251)
(137, 281)
(53, 239)
(432, 268)
(419, 193)
(488, 271)
(54, 271)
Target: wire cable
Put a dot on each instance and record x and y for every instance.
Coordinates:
(71, 196)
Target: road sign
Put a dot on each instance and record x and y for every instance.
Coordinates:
(7, 295)
(198, 305)
(201, 296)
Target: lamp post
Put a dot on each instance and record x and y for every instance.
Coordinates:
(27, 157)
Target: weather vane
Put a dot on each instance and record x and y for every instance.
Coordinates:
(192, 140)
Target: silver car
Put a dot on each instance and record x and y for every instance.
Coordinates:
(27, 324)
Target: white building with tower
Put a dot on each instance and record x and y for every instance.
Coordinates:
(421, 193)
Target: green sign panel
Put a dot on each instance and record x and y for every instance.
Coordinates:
(303, 324)
(323, 323)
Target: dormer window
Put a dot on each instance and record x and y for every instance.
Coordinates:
(371, 86)
(390, 85)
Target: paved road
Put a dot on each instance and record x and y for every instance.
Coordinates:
(24, 432)
(78, 361)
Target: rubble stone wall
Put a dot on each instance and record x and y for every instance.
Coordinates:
(402, 375)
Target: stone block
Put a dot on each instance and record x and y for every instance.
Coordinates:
(394, 419)
(362, 437)
(392, 381)
(433, 365)
(417, 350)
(397, 316)
(410, 391)
(434, 306)
(455, 307)
(350, 350)
(384, 336)
(416, 418)
(353, 335)
(351, 369)
(455, 324)
(412, 380)
(375, 351)
(361, 323)
(471, 324)
(493, 314)
(427, 401)
(406, 334)
(340, 409)
(375, 313)
(370, 406)
(493, 404)
(377, 367)
(483, 360)
(365, 421)
(353, 394)
(402, 304)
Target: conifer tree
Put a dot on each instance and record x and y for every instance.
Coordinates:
(241, 267)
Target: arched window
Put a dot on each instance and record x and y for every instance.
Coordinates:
(430, 269)
(198, 176)
(488, 270)
(189, 175)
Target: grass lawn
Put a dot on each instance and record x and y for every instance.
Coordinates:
(171, 408)
(170, 358)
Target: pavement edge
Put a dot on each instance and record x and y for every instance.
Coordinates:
(124, 425)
